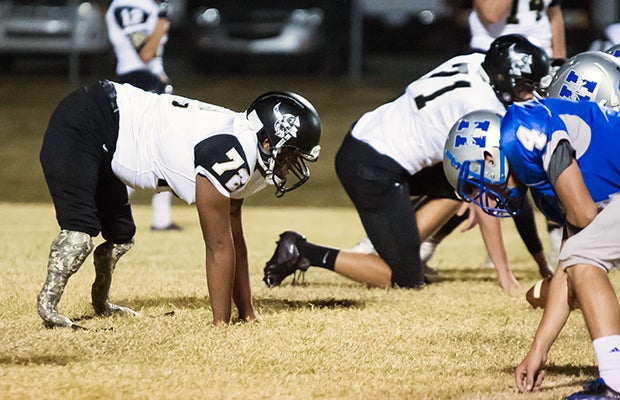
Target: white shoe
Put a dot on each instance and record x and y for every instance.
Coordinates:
(364, 246)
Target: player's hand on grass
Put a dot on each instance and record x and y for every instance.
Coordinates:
(508, 282)
(530, 374)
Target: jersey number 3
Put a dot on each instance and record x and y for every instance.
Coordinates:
(235, 162)
(531, 138)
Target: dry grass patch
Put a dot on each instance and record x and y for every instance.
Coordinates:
(329, 338)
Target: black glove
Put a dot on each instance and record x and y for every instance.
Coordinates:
(164, 7)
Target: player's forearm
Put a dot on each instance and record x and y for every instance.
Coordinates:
(220, 274)
(149, 50)
(558, 36)
(491, 231)
(556, 313)
(242, 294)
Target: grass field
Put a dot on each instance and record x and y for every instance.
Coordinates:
(459, 338)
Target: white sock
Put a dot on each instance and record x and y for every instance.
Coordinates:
(162, 204)
(607, 350)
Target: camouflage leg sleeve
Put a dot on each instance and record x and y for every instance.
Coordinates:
(67, 253)
(106, 256)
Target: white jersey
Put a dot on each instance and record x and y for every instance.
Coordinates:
(530, 19)
(164, 141)
(130, 23)
(413, 129)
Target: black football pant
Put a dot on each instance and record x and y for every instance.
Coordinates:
(76, 155)
(381, 191)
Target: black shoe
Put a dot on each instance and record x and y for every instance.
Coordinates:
(595, 390)
(285, 260)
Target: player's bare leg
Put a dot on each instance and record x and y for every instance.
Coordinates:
(434, 214)
(67, 254)
(371, 269)
(105, 257)
(597, 299)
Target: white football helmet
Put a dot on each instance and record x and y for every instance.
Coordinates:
(468, 166)
(592, 76)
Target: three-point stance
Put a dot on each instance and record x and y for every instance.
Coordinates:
(567, 154)
(395, 152)
(105, 136)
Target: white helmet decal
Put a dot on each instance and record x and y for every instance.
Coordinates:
(519, 62)
(285, 126)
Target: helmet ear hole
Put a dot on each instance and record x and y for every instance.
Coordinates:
(488, 158)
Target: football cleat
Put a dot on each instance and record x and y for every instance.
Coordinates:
(285, 260)
(595, 390)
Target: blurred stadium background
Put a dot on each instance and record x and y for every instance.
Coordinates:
(356, 55)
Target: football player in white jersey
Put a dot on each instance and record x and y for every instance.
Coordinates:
(138, 30)
(105, 136)
(539, 19)
(380, 159)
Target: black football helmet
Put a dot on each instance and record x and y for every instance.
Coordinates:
(514, 62)
(292, 127)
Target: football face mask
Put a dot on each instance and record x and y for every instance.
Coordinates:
(288, 168)
(495, 199)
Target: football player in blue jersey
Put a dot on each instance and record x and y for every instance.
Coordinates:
(566, 153)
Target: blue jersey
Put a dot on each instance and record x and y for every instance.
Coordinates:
(531, 131)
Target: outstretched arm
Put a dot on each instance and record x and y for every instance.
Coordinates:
(491, 230)
(214, 214)
(529, 373)
(148, 51)
(580, 211)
